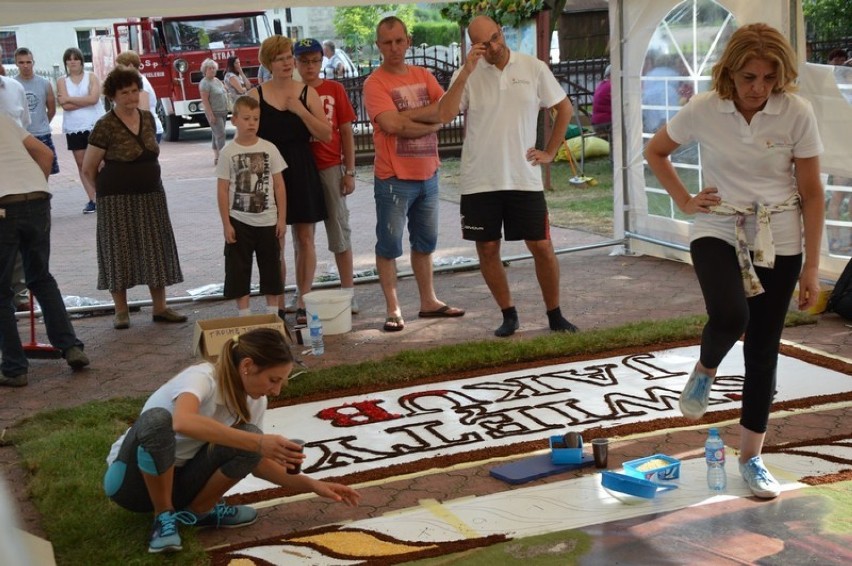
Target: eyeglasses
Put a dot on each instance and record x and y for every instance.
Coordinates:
(493, 39)
(304, 61)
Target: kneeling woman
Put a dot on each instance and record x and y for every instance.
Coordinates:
(201, 433)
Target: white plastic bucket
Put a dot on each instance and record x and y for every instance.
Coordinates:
(334, 309)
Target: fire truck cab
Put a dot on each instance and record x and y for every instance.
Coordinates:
(172, 50)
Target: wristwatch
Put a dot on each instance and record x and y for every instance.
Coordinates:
(349, 172)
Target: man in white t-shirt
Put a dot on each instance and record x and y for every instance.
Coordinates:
(333, 64)
(13, 101)
(501, 179)
(25, 208)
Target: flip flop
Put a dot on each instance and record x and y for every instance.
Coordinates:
(393, 324)
(445, 311)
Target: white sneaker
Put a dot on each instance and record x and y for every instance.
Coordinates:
(759, 480)
(355, 308)
(292, 302)
(696, 395)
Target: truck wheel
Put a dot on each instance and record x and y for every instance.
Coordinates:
(171, 124)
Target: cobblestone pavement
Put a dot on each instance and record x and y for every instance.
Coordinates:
(598, 290)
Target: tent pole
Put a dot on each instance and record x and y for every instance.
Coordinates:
(625, 189)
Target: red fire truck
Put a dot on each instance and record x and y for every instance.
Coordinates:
(172, 50)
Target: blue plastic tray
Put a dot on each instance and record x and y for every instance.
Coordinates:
(632, 486)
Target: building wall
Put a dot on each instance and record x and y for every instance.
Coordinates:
(309, 22)
(48, 41)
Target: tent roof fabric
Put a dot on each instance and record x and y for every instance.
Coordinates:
(14, 12)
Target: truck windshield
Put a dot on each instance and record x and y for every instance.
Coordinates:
(217, 33)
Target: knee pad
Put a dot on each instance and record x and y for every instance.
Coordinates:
(114, 477)
(146, 462)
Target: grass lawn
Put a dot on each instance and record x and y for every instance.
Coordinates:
(587, 207)
(64, 450)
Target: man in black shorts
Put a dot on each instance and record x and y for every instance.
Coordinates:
(501, 180)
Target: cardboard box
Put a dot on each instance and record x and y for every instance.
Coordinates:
(210, 335)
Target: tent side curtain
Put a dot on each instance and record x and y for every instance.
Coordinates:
(650, 221)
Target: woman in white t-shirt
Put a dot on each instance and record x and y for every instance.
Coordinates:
(200, 433)
(79, 95)
(759, 148)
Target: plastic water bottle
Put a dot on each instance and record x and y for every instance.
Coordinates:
(714, 453)
(315, 329)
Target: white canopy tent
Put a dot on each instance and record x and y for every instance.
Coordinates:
(29, 11)
(691, 33)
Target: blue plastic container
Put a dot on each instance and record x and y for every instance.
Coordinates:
(668, 471)
(566, 455)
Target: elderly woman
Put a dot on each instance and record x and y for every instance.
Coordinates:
(147, 98)
(79, 95)
(136, 245)
(214, 97)
(290, 114)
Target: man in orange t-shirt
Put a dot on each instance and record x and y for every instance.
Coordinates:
(403, 102)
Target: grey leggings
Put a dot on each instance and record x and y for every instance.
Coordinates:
(731, 314)
(218, 130)
(150, 445)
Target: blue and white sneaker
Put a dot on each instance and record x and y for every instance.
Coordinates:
(164, 535)
(227, 516)
(696, 395)
(759, 480)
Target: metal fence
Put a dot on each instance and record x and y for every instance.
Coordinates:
(578, 78)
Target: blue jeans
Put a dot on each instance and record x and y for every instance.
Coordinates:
(397, 199)
(26, 227)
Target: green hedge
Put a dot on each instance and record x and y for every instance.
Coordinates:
(435, 33)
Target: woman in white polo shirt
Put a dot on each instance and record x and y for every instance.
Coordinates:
(759, 150)
(200, 433)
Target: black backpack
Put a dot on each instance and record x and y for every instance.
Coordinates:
(840, 300)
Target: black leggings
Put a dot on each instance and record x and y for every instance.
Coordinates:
(731, 314)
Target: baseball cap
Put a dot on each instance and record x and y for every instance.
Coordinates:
(307, 45)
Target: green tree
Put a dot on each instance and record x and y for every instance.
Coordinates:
(357, 25)
(828, 19)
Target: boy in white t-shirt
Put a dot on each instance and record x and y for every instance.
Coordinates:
(250, 193)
